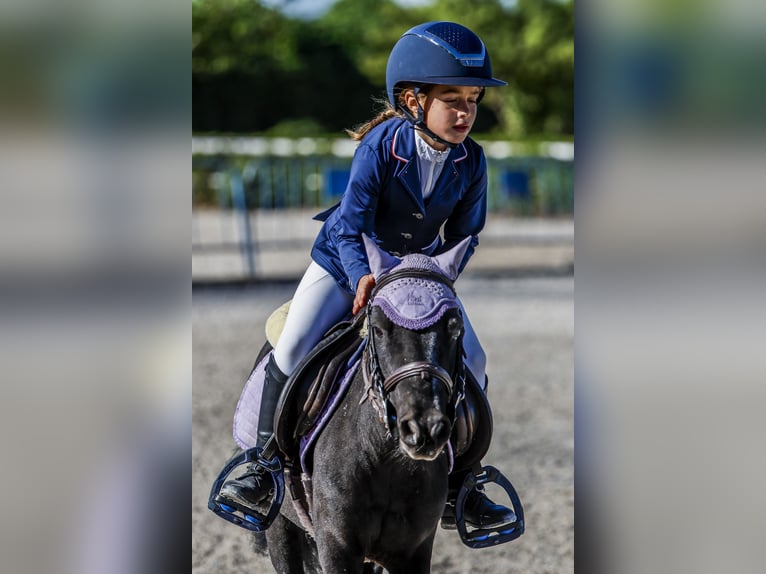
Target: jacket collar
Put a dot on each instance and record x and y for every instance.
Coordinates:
(403, 149)
(403, 145)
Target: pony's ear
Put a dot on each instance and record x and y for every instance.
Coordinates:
(449, 261)
(380, 261)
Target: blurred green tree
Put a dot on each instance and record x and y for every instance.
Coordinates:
(532, 48)
(368, 40)
(253, 68)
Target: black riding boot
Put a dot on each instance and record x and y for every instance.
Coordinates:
(479, 511)
(255, 485)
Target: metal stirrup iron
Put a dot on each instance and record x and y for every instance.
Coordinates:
(243, 516)
(483, 537)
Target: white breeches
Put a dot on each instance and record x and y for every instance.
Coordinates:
(319, 303)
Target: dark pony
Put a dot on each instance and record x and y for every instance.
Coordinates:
(379, 467)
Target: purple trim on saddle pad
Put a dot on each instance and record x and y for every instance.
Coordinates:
(414, 302)
(331, 404)
(249, 406)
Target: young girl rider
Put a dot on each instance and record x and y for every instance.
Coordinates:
(414, 171)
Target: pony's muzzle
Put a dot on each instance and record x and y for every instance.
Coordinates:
(424, 437)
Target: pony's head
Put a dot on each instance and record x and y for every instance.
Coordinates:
(414, 366)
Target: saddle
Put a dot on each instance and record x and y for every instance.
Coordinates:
(312, 383)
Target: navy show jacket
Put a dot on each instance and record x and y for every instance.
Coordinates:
(384, 201)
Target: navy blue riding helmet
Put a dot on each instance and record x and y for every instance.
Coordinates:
(438, 53)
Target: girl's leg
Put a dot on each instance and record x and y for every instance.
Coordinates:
(317, 305)
(476, 359)
(479, 510)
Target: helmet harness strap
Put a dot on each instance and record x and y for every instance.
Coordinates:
(420, 122)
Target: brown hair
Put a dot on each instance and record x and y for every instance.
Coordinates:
(388, 111)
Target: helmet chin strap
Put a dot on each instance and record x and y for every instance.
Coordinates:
(420, 123)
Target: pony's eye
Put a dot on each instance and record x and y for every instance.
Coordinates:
(455, 327)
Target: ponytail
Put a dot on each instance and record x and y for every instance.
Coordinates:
(386, 113)
(388, 110)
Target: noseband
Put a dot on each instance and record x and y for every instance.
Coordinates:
(379, 387)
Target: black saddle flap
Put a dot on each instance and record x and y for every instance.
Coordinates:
(306, 390)
(472, 431)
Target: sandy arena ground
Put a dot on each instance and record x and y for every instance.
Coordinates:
(526, 326)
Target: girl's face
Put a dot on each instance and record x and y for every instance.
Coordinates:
(449, 111)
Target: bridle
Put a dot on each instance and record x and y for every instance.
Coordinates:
(379, 386)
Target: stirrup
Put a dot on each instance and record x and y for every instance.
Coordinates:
(239, 514)
(483, 537)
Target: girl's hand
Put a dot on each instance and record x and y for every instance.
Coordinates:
(363, 290)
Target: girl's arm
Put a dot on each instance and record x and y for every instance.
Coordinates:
(357, 213)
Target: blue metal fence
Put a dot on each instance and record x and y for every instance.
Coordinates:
(529, 186)
(239, 186)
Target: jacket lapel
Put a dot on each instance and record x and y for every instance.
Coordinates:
(403, 149)
(450, 173)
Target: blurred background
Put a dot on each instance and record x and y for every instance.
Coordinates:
(302, 69)
(671, 213)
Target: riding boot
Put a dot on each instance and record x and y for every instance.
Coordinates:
(255, 485)
(479, 510)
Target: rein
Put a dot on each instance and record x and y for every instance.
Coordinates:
(380, 386)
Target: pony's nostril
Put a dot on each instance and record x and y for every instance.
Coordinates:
(439, 431)
(411, 432)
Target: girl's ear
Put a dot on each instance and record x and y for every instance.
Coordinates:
(380, 261)
(410, 100)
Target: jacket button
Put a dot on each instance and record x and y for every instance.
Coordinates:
(407, 235)
(418, 215)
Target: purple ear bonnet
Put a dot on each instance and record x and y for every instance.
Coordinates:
(415, 302)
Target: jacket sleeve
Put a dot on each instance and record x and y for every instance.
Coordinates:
(357, 213)
(469, 215)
